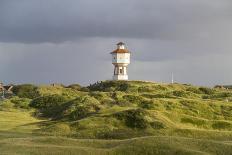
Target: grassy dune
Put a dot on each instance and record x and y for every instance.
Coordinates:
(109, 117)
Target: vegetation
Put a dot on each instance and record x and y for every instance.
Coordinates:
(116, 117)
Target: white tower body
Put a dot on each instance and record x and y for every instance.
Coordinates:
(120, 60)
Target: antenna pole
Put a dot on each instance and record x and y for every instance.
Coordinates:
(172, 78)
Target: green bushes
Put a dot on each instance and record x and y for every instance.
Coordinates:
(147, 104)
(107, 133)
(108, 86)
(56, 129)
(193, 121)
(15, 102)
(143, 89)
(207, 91)
(222, 125)
(82, 107)
(221, 95)
(26, 91)
(6, 105)
(103, 86)
(157, 125)
(180, 93)
(46, 102)
(134, 118)
(50, 105)
(75, 87)
(194, 90)
(21, 102)
(133, 99)
(159, 95)
(79, 113)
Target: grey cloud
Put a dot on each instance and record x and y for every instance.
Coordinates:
(32, 21)
(70, 41)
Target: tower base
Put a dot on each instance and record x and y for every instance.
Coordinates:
(120, 77)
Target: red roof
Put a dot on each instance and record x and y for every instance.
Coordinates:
(120, 51)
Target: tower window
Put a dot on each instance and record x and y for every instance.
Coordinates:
(120, 71)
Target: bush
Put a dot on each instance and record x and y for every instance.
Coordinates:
(146, 104)
(107, 133)
(123, 87)
(143, 89)
(6, 104)
(21, 102)
(207, 91)
(108, 86)
(193, 121)
(46, 102)
(179, 93)
(50, 105)
(74, 86)
(133, 99)
(84, 89)
(194, 90)
(134, 118)
(83, 106)
(222, 125)
(98, 95)
(157, 125)
(160, 95)
(79, 113)
(26, 91)
(58, 129)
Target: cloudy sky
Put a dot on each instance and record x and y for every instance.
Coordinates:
(69, 41)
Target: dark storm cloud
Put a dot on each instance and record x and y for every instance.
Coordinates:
(32, 21)
(44, 41)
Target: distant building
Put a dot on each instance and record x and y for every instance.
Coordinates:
(223, 86)
(5, 90)
(120, 60)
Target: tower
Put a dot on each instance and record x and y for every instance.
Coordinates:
(120, 60)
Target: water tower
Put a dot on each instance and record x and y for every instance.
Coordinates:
(120, 60)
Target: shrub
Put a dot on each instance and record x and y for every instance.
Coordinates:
(46, 102)
(207, 91)
(115, 133)
(157, 125)
(102, 86)
(85, 89)
(146, 104)
(179, 93)
(6, 104)
(193, 121)
(74, 86)
(50, 105)
(123, 102)
(108, 86)
(222, 125)
(20, 102)
(98, 95)
(79, 113)
(194, 90)
(133, 99)
(58, 129)
(83, 106)
(123, 87)
(134, 118)
(160, 95)
(143, 89)
(26, 91)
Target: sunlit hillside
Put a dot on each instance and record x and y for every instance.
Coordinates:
(116, 117)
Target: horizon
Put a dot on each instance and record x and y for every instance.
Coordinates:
(45, 42)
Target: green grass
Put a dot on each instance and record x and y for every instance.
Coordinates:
(133, 117)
